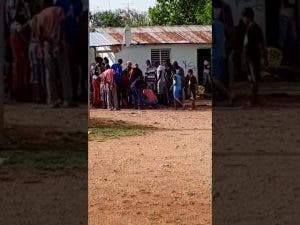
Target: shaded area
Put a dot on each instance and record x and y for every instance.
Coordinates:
(103, 129)
(43, 166)
(256, 164)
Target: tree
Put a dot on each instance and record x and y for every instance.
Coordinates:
(119, 18)
(204, 14)
(105, 19)
(181, 12)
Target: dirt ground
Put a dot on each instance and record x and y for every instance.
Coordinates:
(44, 179)
(163, 177)
(256, 166)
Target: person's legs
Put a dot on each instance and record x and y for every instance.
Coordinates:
(115, 97)
(48, 87)
(193, 92)
(109, 99)
(166, 95)
(65, 74)
(253, 76)
(134, 97)
(130, 97)
(51, 76)
(119, 96)
(170, 93)
(96, 101)
(104, 99)
(282, 38)
(137, 98)
(123, 97)
(75, 82)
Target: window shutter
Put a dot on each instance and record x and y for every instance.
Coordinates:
(158, 55)
(165, 54)
(155, 55)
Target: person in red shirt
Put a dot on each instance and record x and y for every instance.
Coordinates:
(96, 100)
(149, 98)
(108, 77)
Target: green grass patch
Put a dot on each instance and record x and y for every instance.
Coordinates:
(44, 149)
(102, 130)
(51, 160)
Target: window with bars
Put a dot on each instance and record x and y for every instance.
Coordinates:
(159, 55)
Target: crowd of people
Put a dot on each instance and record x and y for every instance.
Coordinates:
(44, 51)
(236, 51)
(162, 84)
(240, 52)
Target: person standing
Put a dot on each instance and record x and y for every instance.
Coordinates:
(16, 15)
(71, 32)
(55, 53)
(177, 89)
(96, 100)
(106, 62)
(193, 83)
(219, 72)
(150, 75)
(110, 86)
(117, 67)
(253, 51)
(135, 78)
(186, 89)
(125, 85)
(169, 76)
(206, 77)
(181, 74)
(288, 34)
(162, 84)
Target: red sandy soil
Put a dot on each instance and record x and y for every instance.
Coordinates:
(163, 177)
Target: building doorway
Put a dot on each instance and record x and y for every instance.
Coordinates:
(202, 55)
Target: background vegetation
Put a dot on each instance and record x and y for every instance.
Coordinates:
(165, 12)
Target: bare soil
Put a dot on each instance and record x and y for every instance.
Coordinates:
(256, 165)
(43, 171)
(162, 177)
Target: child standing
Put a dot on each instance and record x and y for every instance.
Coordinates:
(177, 89)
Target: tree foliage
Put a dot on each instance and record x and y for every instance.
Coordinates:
(181, 12)
(119, 18)
(165, 12)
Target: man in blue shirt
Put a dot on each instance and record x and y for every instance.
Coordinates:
(71, 28)
(117, 67)
(219, 69)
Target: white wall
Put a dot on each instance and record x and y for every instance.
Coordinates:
(184, 54)
(91, 56)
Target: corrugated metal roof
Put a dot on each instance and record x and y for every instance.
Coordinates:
(101, 39)
(152, 35)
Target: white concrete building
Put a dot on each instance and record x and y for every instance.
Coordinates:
(188, 45)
